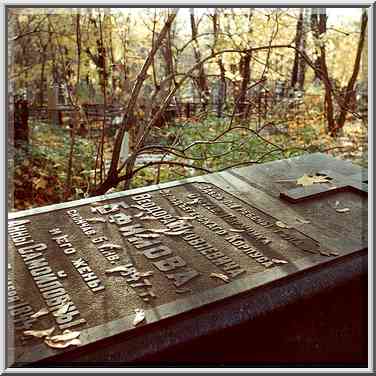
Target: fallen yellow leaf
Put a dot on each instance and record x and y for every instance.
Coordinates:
(39, 333)
(140, 316)
(344, 210)
(62, 344)
(220, 276)
(306, 180)
(281, 224)
(62, 310)
(66, 336)
(278, 261)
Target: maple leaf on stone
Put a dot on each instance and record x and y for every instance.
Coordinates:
(307, 180)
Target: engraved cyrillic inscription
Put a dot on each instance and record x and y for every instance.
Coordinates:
(87, 274)
(101, 262)
(45, 279)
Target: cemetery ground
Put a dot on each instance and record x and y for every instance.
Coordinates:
(40, 174)
(104, 102)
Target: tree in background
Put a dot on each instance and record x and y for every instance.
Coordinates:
(299, 66)
(144, 68)
(319, 28)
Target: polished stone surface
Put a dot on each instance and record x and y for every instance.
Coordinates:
(199, 256)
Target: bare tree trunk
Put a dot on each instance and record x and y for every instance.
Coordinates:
(302, 62)
(170, 71)
(167, 55)
(156, 85)
(42, 73)
(75, 114)
(78, 42)
(53, 112)
(102, 55)
(21, 114)
(315, 27)
(110, 68)
(350, 86)
(222, 86)
(245, 72)
(125, 43)
(298, 45)
(202, 82)
(318, 23)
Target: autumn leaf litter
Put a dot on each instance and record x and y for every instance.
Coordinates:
(39, 333)
(59, 341)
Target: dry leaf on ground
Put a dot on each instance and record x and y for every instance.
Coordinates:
(343, 210)
(278, 261)
(281, 224)
(220, 276)
(120, 268)
(62, 344)
(307, 180)
(39, 333)
(66, 336)
(139, 317)
(62, 310)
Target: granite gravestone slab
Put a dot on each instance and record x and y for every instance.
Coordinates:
(197, 256)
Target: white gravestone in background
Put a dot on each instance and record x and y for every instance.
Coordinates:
(124, 151)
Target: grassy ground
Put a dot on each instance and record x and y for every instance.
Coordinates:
(40, 174)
